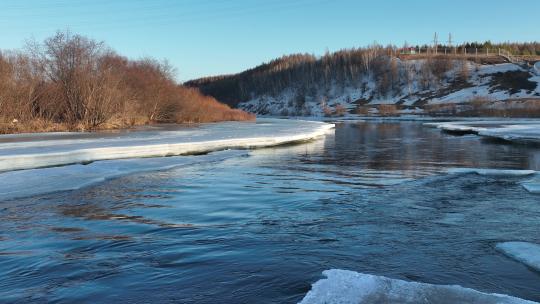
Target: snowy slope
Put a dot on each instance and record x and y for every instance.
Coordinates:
(349, 287)
(28, 154)
(412, 93)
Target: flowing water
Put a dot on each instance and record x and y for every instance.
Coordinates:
(373, 198)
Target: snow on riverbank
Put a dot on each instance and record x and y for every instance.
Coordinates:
(29, 154)
(526, 253)
(349, 287)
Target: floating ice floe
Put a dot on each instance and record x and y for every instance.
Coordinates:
(533, 185)
(24, 183)
(206, 138)
(349, 287)
(524, 130)
(520, 133)
(459, 128)
(491, 172)
(526, 253)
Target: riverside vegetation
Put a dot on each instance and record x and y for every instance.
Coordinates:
(71, 82)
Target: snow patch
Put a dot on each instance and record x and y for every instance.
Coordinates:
(536, 68)
(526, 253)
(498, 68)
(349, 287)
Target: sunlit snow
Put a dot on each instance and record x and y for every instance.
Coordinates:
(349, 287)
(209, 137)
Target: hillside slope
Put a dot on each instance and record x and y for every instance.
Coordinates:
(354, 81)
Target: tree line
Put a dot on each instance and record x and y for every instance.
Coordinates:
(71, 82)
(375, 67)
(311, 76)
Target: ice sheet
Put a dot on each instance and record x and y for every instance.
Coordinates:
(491, 172)
(23, 183)
(532, 186)
(526, 253)
(31, 154)
(523, 130)
(521, 133)
(348, 287)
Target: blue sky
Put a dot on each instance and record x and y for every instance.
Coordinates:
(202, 37)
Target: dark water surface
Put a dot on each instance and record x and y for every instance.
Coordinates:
(372, 198)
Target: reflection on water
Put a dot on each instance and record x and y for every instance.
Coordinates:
(374, 198)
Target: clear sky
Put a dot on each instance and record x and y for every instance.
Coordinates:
(208, 37)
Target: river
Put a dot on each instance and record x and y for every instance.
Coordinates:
(375, 197)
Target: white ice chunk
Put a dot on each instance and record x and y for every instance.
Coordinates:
(349, 287)
(491, 172)
(523, 133)
(522, 130)
(15, 184)
(526, 253)
(206, 138)
(532, 187)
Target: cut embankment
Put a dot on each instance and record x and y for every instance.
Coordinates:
(349, 287)
(207, 138)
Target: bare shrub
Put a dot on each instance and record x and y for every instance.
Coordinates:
(327, 111)
(340, 110)
(70, 82)
(388, 110)
(362, 110)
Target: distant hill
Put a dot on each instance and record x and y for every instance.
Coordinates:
(355, 80)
